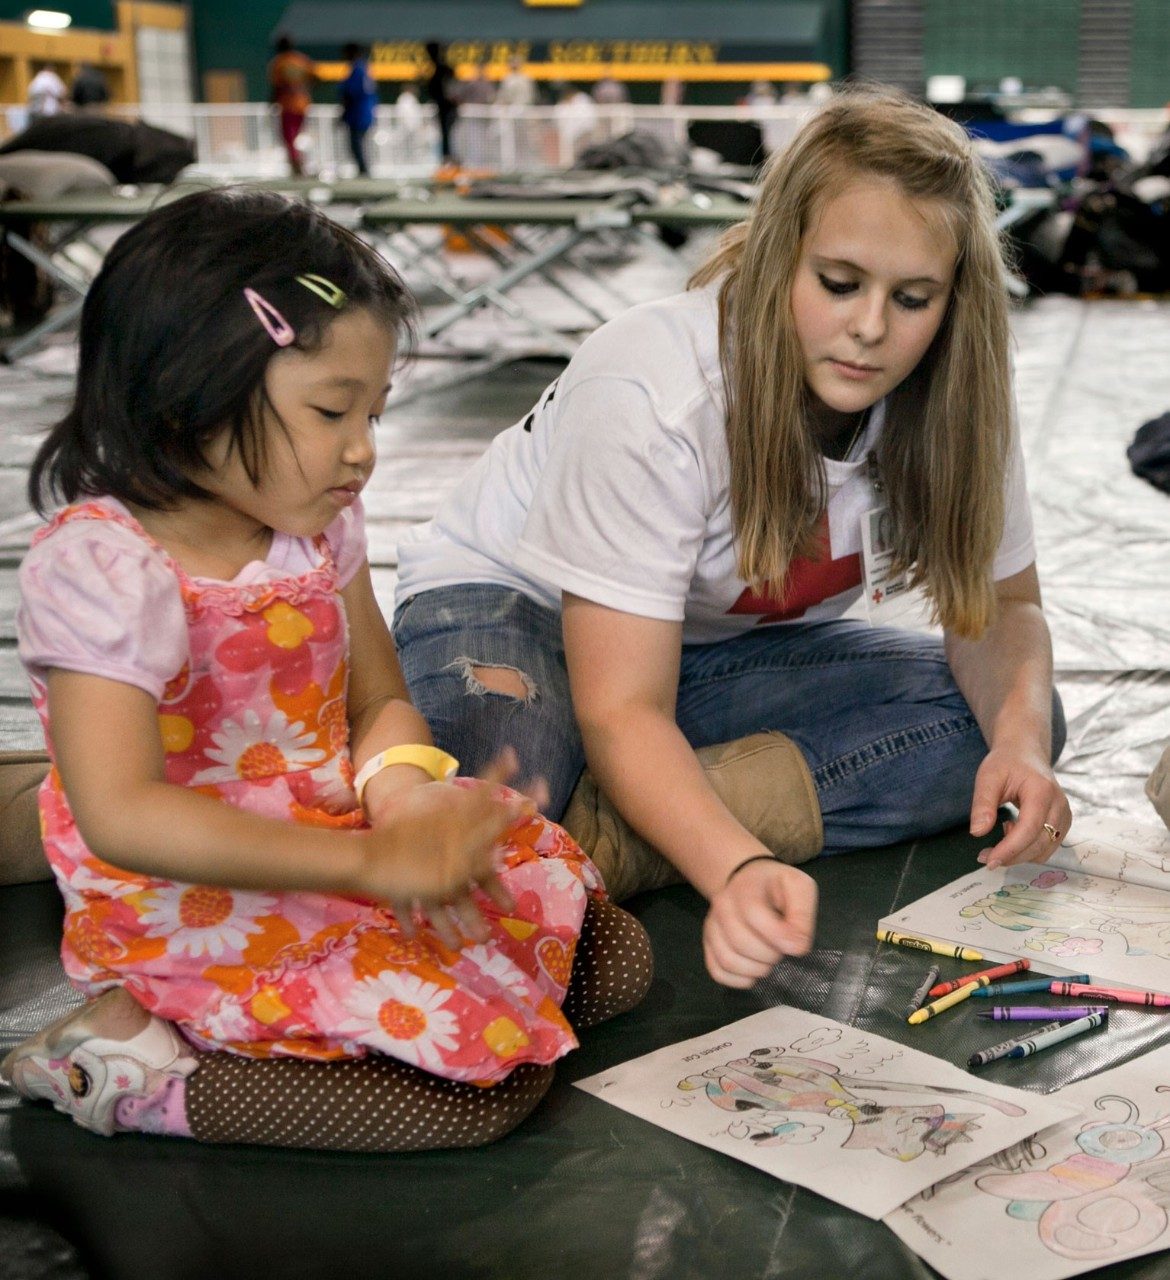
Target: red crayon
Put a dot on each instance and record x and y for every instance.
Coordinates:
(1150, 998)
(1000, 971)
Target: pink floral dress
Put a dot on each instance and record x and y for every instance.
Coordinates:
(256, 716)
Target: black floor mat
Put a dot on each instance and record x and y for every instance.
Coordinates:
(580, 1190)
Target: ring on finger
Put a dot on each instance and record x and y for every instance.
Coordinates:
(1053, 833)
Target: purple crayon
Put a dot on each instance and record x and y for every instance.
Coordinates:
(1040, 1013)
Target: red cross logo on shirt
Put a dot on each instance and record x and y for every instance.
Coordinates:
(809, 582)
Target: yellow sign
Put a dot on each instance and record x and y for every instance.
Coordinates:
(632, 52)
(616, 53)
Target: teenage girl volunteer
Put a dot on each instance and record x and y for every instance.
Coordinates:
(658, 558)
(392, 960)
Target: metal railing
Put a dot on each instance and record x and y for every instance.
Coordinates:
(242, 139)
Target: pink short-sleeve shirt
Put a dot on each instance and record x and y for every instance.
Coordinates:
(96, 599)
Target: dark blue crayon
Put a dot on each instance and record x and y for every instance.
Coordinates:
(1018, 988)
(1044, 1039)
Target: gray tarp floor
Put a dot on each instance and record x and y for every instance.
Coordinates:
(584, 1190)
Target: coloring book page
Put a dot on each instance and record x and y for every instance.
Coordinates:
(1060, 917)
(1117, 849)
(859, 1119)
(1089, 1191)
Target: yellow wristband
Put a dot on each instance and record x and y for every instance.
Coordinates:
(431, 760)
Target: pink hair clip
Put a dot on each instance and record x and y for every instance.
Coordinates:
(275, 325)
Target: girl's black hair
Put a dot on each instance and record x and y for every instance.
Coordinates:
(172, 353)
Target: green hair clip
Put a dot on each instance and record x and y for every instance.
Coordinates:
(326, 290)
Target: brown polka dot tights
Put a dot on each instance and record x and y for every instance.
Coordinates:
(381, 1104)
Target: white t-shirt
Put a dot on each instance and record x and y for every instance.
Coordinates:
(615, 488)
(46, 93)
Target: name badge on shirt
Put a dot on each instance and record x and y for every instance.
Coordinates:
(882, 585)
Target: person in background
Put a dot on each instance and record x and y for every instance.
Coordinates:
(673, 92)
(761, 94)
(575, 114)
(440, 89)
(359, 97)
(46, 94)
(517, 88)
(89, 88)
(776, 131)
(408, 122)
(608, 91)
(613, 97)
(290, 78)
(479, 90)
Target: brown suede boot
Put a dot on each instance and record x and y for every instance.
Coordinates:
(22, 857)
(762, 779)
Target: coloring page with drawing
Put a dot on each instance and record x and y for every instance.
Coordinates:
(859, 1119)
(1058, 916)
(1117, 849)
(1089, 1191)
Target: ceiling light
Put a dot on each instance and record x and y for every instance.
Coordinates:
(48, 19)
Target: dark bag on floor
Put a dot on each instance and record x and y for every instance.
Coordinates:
(1149, 455)
(131, 150)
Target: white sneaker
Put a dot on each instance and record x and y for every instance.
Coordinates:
(85, 1062)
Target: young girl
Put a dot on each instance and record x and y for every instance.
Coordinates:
(211, 668)
(655, 562)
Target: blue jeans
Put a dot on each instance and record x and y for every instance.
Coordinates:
(357, 148)
(891, 743)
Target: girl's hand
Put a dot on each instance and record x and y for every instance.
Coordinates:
(765, 911)
(438, 845)
(385, 788)
(1027, 781)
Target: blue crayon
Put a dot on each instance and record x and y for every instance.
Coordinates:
(1046, 1039)
(1018, 988)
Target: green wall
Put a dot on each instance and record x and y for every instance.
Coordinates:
(227, 37)
(236, 34)
(86, 13)
(981, 39)
(989, 39)
(1150, 60)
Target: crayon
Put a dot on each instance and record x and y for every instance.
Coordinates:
(1040, 1013)
(1149, 998)
(1046, 1039)
(918, 999)
(1032, 984)
(1000, 971)
(939, 1005)
(984, 1056)
(924, 944)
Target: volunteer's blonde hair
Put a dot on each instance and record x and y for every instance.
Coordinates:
(944, 449)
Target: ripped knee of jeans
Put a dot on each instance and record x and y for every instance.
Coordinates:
(481, 678)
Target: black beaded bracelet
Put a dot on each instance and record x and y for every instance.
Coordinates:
(756, 857)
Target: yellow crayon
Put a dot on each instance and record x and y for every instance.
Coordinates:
(924, 944)
(945, 1002)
